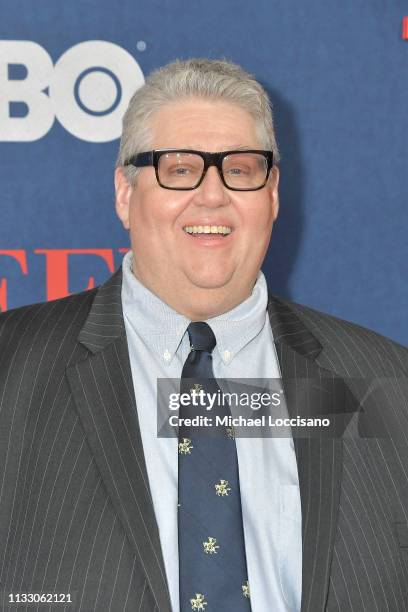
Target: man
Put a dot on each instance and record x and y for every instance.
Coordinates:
(95, 508)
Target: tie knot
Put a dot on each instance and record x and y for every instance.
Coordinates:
(201, 336)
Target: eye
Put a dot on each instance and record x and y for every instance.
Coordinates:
(179, 170)
(237, 171)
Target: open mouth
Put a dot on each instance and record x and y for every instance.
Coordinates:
(199, 230)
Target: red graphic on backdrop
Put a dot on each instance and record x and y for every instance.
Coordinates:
(20, 256)
(56, 269)
(405, 28)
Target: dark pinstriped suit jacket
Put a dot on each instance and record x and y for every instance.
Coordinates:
(76, 515)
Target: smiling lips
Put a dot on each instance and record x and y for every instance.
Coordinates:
(224, 230)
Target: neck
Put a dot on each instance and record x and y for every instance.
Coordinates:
(197, 303)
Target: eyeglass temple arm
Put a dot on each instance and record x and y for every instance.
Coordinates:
(140, 160)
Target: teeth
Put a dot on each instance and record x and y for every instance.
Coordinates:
(208, 229)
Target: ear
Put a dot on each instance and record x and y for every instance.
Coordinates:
(123, 192)
(274, 192)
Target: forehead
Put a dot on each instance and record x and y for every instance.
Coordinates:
(211, 125)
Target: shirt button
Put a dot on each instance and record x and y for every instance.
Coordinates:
(227, 355)
(167, 355)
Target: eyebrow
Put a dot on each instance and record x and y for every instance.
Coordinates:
(229, 148)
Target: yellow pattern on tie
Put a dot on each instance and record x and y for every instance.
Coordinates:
(222, 488)
(185, 446)
(198, 602)
(210, 546)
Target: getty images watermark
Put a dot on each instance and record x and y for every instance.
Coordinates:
(250, 407)
(212, 401)
(321, 406)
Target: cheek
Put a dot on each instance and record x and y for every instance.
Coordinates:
(256, 227)
(256, 220)
(156, 212)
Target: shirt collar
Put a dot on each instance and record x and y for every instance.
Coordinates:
(162, 328)
(237, 327)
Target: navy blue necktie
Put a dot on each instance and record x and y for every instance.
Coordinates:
(212, 562)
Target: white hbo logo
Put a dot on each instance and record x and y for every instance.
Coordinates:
(88, 90)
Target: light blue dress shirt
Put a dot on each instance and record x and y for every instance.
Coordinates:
(271, 509)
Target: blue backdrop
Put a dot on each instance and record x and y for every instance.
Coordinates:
(337, 74)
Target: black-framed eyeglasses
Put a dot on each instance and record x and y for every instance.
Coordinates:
(185, 169)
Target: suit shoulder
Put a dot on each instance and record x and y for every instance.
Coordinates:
(348, 337)
(28, 324)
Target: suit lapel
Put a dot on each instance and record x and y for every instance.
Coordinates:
(319, 459)
(103, 392)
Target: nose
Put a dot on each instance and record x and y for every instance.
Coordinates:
(211, 192)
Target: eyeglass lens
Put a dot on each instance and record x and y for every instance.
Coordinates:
(240, 170)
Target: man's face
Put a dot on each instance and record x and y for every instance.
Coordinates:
(198, 275)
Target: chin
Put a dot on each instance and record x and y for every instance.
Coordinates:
(211, 281)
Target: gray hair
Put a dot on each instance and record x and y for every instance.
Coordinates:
(200, 78)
